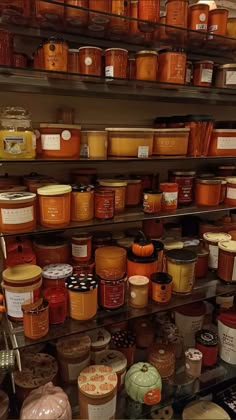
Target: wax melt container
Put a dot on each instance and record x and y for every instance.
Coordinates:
(82, 247)
(90, 61)
(94, 144)
(117, 361)
(60, 141)
(163, 359)
(161, 287)
(207, 192)
(207, 343)
(218, 21)
(111, 293)
(130, 142)
(116, 62)
(57, 300)
(54, 205)
(193, 363)
(148, 10)
(17, 140)
(104, 204)
(171, 66)
(227, 337)
(203, 73)
(133, 192)
(170, 195)
(6, 44)
(138, 290)
(212, 240)
(55, 54)
(225, 76)
(100, 342)
(51, 250)
(223, 142)
(230, 197)
(124, 341)
(171, 141)
(97, 392)
(110, 262)
(54, 275)
(198, 17)
(35, 319)
(181, 266)
(48, 11)
(146, 65)
(152, 201)
(119, 187)
(185, 181)
(21, 284)
(18, 212)
(189, 319)
(227, 261)
(82, 291)
(75, 16)
(73, 356)
(82, 203)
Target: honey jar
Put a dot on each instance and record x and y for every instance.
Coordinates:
(73, 61)
(98, 21)
(17, 212)
(161, 287)
(176, 14)
(94, 144)
(230, 197)
(55, 54)
(170, 195)
(35, 319)
(138, 289)
(82, 203)
(75, 16)
(110, 262)
(55, 205)
(54, 275)
(90, 61)
(146, 65)
(119, 187)
(82, 292)
(82, 247)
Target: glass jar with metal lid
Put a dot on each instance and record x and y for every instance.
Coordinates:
(207, 192)
(146, 65)
(55, 205)
(181, 266)
(227, 261)
(226, 76)
(120, 191)
(185, 181)
(211, 240)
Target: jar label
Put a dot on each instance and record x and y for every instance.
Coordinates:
(14, 301)
(84, 151)
(231, 193)
(75, 369)
(66, 135)
(14, 143)
(53, 209)
(170, 198)
(50, 141)
(152, 397)
(230, 77)
(113, 296)
(226, 143)
(143, 152)
(103, 411)
(213, 256)
(17, 216)
(185, 184)
(88, 61)
(213, 28)
(227, 338)
(201, 26)
(109, 71)
(206, 75)
(80, 251)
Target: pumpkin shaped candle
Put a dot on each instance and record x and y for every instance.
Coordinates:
(142, 247)
(143, 383)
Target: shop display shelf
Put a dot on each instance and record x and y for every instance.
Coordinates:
(25, 80)
(116, 32)
(204, 289)
(130, 215)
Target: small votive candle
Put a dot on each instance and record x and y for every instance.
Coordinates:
(138, 291)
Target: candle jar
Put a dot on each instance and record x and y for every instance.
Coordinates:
(55, 54)
(152, 201)
(90, 61)
(124, 341)
(189, 73)
(230, 197)
(6, 48)
(75, 16)
(170, 195)
(207, 344)
(138, 290)
(131, 68)
(143, 266)
(146, 65)
(133, 192)
(171, 66)
(185, 181)
(82, 203)
(117, 361)
(100, 340)
(134, 31)
(148, 10)
(82, 293)
(86, 176)
(117, 24)
(73, 62)
(153, 228)
(55, 205)
(111, 293)
(54, 275)
(217, 23)
(57, 300)
(98, 21)
(82, 247)
(161, 287)
(207, 192)
(95, 144)
(193, 363)
(203, 73)
(198, 15)
(211, 240)
(176, 15)
(35, 319)
(119, 187)
(18, 212)
(100, 239)
(181, 266)
(227, 261)
(116, 62)
(163, 359)
(104, 204)
(51, 250)
(83, 268)
(49, 11)
(110, 262)
(145, 332)
(201, 267)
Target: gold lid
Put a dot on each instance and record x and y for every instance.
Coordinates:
(54, 190)
(152, 52)
(22, 273)
(112, 183)
(229, 246)
(62, 126)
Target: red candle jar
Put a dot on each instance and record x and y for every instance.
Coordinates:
(50, 11)
(82, 247)
(57, 299)
(148, 10)
(198, 14)
(218, 21)
(104, 204)
(20, 60)
(124, 341)
(51, 250)
(6, 48)
(116, 62)
(90, 61)
(207, 343)
(75, 16)
(54, 275)
(185, 181)
(111, 293)
(203, 73)
(170, 195)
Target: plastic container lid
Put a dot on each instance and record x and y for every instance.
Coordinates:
(112, 183)
(17, 197)
(161, 278)
(22, 273)
(81, 283)
(216, 237)
(138, 280)
(193, 309)
(229, 246)
(54, 190)
(207, 338)
(57, 271)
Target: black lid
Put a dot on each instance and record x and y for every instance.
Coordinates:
(161, 278)
(142, 260)
(82, 188)
(181, 255)
(81, 283)
(206, 338)
(158, 245)
(199, 117)
(123, 339)
(152, 191)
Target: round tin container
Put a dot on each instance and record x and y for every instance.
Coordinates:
(207, 344)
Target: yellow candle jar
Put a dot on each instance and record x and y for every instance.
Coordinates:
(82, 295)
(95, 144)
(181, 266)
(82, 203)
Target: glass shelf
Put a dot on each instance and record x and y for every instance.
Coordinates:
(115, 29)
(130, 215)
(28, 80)
(204, 289)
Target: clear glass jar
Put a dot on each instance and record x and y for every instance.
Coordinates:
(17, 140)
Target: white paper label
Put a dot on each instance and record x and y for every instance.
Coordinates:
(234, 270)
(188, 76)
(109, 71)
(66, 135)
(50, 141)
(231, 193)
(230, 77)
(201, 26)
(75, 369)
(34, 141)
(206, 75)
(227, 339)
(103, 411)
(84, 151)
(226, 143)
(213, 256)
(143, 152)
(79, 250)
(14, 301)
(213, 28)
(170, 197)
(16, 216)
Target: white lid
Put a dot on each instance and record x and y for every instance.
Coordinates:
(99, 338)
(229, 246)
(216, 236)
(138, 280)
(57, 271)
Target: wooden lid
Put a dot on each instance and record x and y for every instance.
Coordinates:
(204, 410)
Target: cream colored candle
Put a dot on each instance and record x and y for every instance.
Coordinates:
(96, 143)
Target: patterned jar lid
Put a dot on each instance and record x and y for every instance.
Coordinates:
(57, 271)
(97, 380)
(113, 358)
(123, 339)
(100, 337)
(160, 353)
(193, 354)
(81, 283)
(207, 338)
(74, 346)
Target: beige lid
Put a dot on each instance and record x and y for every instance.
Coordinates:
(100, 337)
(116, 49)
(22, 273)
(204, 410)
(193, 354)
(216, 237)
(60, 126)
(152, 52)
(17, 197)
(169, 244)
(228, 66)
(74, 346)
(171, 130)
(112, 183)
(54, 190)
(131, 130)
(113, 358)
(229, 246)
(97, 380)
(231, 180)
(138, 280)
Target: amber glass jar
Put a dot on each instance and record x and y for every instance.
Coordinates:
(171, 66)
(198, 15)
(110, 262)
(176, 13)
(82, 203)
(49, 11)
(203, 73)
(76, 17)
(54, 205)
(119, 187)
(104, 203)
(116, 62)
(55, 54)
(227, 261)
(207, 192)
(218, 21)
(146, 65)
(148, 10)
(82, 247)
(90, 61)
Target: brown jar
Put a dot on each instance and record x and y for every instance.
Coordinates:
(116, 62)
(163, 359)
(171, 66)
(146, 65)
(55, 54)
(203, 73)
(90, 61)
(73, 61)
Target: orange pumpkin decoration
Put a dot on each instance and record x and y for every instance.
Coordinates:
(142, 247)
